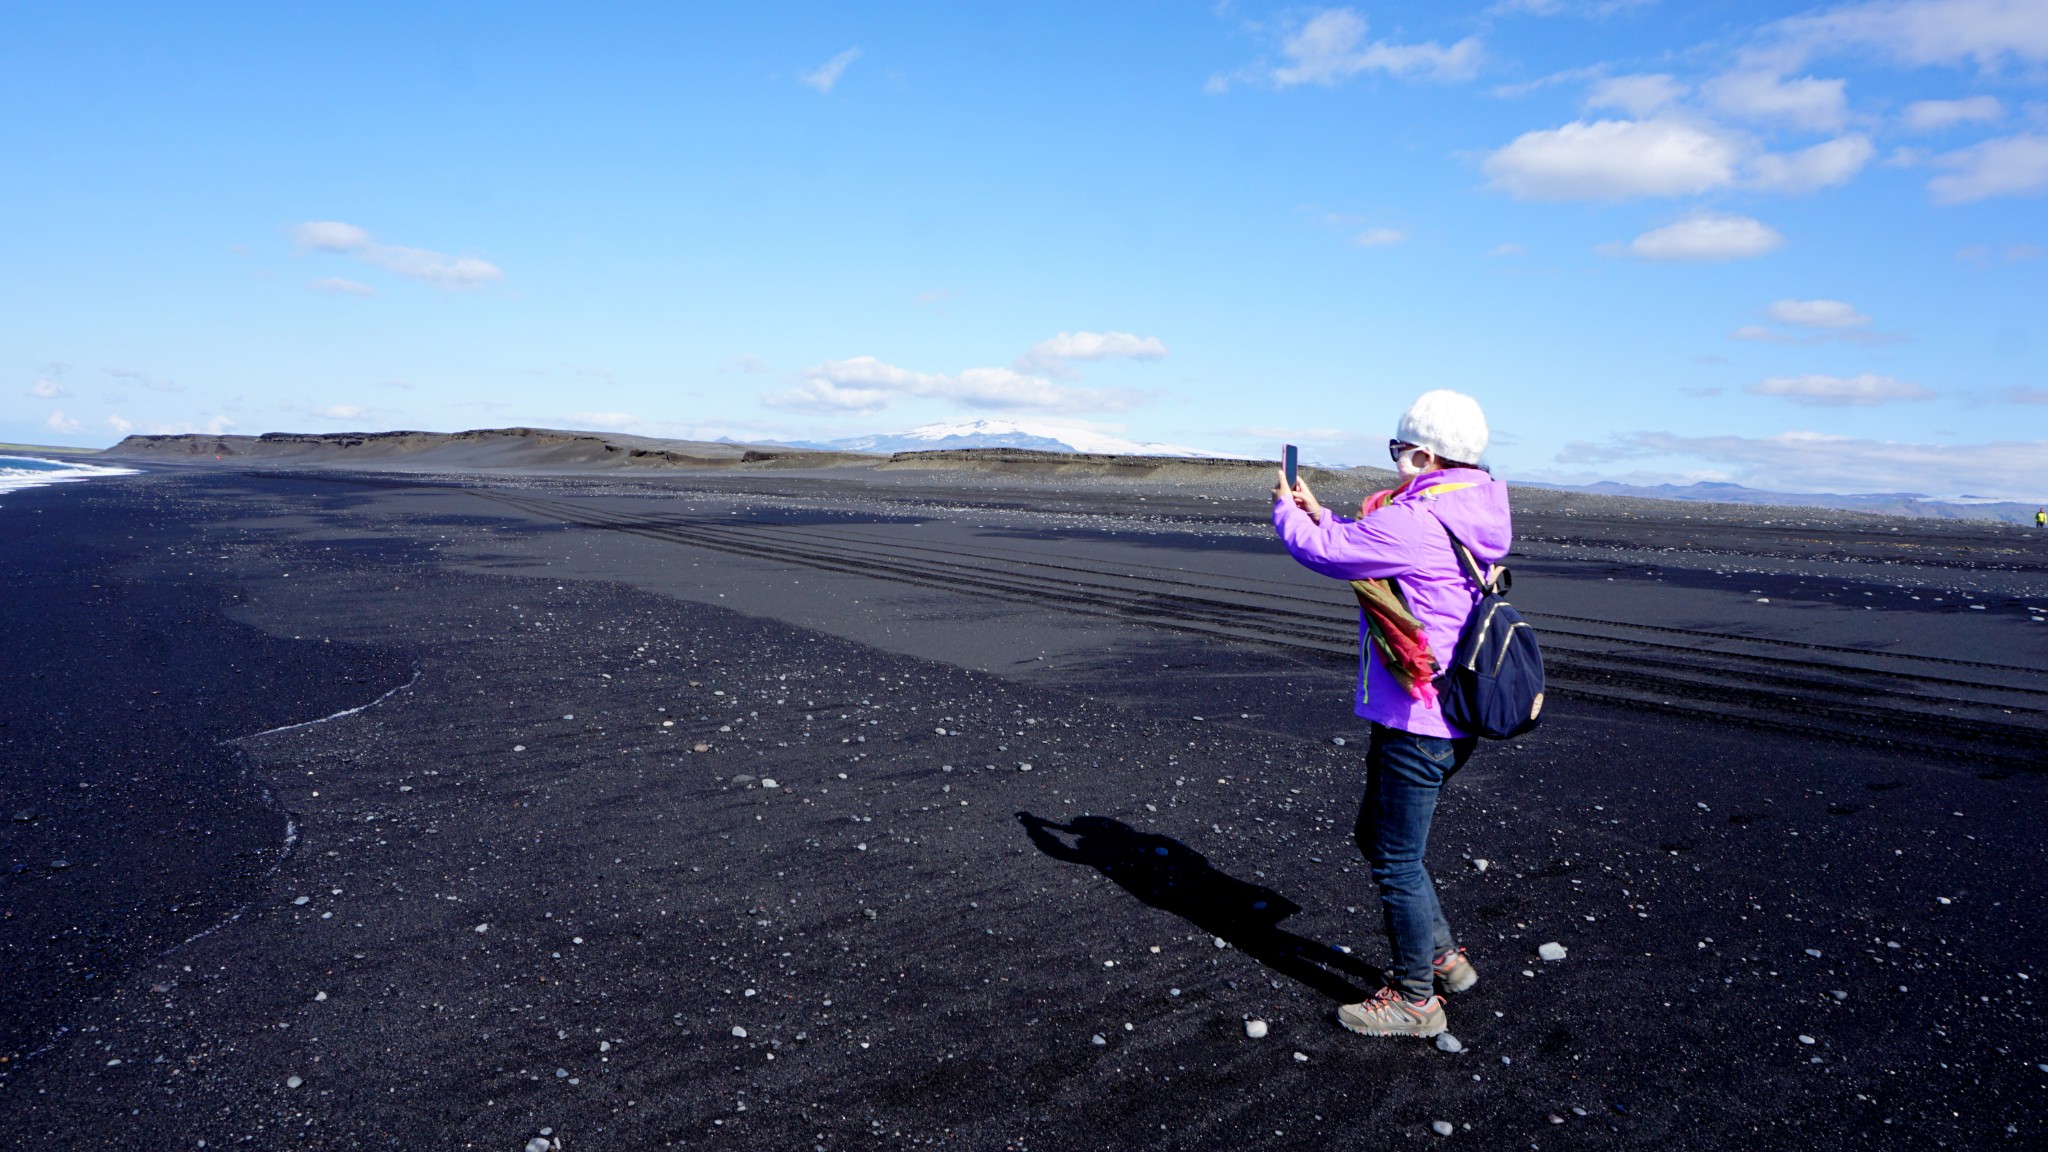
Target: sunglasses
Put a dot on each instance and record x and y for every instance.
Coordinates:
(1399, 448)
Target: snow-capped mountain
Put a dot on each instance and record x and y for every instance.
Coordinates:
(1007, 434)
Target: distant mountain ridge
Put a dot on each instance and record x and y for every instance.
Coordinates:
(1005, 434)
(1884, 503)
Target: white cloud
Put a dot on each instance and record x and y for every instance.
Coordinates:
(1822, 321)
(1818, 313)
(145, 379)
(1591, 8)
(1379, 237)
(828, 74)
(1638, 95)
(336, 286)
(866, 384)
(1615, 160)
(455, 273)
(1332, 48)
(1297, 435)
(1865, 391)
(1008, 388)
(1824, 165)
(340, 412)
(48, 390)
(1988, 33)
(1707, 236)
(1982, 255)
(214, 426)
(1935, 115)
(2005, 166)
(820, 393)
(745, 362)
(330, 236)
(611, 420)
(1055, 357)
(1816, 462)
(59, 422)
(1764, 95)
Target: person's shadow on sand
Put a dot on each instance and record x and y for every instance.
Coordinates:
(1172, 877)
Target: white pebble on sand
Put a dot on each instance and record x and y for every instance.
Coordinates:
(1445, 1042)
(302, 901)
(1482, 865)
(292, 1081)
(319, 997)
(1441, 1127)
(1302, 1057)
(483, 928)
(1256, 1029)
(537, 1145)
(1813, 952)
(738, 1032)
(1337, 740)
(519, 747)
(1097, 1040)
(769, 782)
(1552, 951)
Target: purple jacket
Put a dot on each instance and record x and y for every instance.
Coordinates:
(1403, 540)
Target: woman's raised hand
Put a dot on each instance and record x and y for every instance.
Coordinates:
(1303, 497)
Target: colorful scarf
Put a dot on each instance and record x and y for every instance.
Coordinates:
(1394, 631)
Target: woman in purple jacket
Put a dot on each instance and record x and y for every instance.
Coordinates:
(1413, 752)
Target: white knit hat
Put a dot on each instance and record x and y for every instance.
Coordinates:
(1447, 423)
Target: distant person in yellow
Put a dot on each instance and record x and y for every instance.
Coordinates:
(2041, 517)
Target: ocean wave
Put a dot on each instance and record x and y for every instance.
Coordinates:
(18, 472)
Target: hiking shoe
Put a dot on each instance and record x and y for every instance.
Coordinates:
(1389, 1013)
(1456, 972)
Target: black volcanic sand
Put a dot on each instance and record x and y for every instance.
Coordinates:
(520, 901)
(130, 823)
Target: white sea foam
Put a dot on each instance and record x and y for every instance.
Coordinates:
(18, 472)
(338, 715)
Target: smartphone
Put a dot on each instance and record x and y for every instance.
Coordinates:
(1292, 456)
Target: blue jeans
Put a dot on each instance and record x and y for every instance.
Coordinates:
(1404, 772)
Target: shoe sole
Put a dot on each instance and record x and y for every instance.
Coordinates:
(1459, 980)
(1418, 1033)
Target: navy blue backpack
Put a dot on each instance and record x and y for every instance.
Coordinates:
(1494, 686)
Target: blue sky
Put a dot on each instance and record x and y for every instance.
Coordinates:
(1801, 248)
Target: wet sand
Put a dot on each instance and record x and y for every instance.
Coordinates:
(530, 903)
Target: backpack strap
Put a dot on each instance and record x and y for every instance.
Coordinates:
(1466, 559)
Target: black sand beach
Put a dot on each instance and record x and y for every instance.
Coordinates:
(1784, 815)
